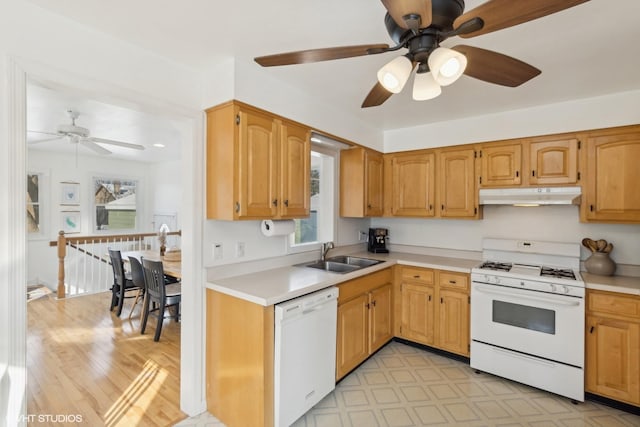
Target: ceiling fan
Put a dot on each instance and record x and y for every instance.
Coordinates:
(81, 136)
(420, 26)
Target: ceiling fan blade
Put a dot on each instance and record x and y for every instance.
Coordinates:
(499, 14)
(494, 67)
(398, 9)
(93, 146)
(377, 96)
(317, 55)
(38, 141)
(42, 132)
(118, 143)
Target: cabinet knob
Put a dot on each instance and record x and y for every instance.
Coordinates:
(442, 206)
(369, 206)
(237, 207)
(275, 202)
(517, 174)
(373, 303)
(430, 207)
(533, 173)
(286, 202)
(591, 208)
(367, 305)
(592, 329)
(429, 298)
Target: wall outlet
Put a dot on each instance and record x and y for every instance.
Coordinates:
(239, 249)
(217, 251)
(363, 236)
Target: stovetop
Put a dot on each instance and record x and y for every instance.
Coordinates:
(528, 270)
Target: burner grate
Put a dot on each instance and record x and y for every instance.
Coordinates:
(559, 273)
(499, 266)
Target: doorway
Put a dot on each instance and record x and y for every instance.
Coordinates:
(13, 384)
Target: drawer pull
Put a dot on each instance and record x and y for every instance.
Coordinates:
(592, 329)
(453, 282)
(417, 276)
(429, 298)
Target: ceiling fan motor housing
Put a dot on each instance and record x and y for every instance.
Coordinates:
(444, 12)
(73, 130)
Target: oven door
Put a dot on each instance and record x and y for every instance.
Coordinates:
(546, 325)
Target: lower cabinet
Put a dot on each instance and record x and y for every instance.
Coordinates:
(365, 319)
(613, 346)
(434, 308)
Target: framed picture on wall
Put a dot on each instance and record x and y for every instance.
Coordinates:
(69, 193)
(70, 221)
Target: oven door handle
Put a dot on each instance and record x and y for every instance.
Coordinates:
(574, 302)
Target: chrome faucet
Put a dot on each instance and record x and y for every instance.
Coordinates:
(324, 248)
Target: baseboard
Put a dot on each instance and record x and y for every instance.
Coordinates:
(627, 407)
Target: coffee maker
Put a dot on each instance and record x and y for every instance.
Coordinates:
(378, 240)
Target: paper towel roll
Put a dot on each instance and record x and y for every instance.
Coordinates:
(278, 227)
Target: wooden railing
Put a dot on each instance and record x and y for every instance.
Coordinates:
(88, 256)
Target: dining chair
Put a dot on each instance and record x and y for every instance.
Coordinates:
(137, 277)
(121, 283)
(159, 296)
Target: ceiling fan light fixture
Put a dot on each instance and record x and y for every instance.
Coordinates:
(425, 87)
(395, 74)
(447, 65)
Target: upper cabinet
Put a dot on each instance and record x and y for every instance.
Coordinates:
(612, 159)
(361, 181)
(500, 164)
(257, 164)
(410, 186)
(553, 161)
(457, 192)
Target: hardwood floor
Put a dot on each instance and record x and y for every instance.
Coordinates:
(83, 361)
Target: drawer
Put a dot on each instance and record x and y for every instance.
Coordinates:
(450, 280)
(613, 303)
(417, 274)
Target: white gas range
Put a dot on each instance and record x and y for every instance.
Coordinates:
(527, 314)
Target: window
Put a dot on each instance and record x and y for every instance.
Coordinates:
(34, 200)
(319, 226)
(115, 203)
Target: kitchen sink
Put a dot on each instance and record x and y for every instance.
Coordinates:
(351, 260)
(343, 264)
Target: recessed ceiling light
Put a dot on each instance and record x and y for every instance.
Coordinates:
(158, 145)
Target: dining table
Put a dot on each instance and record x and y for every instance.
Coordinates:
(171, 267)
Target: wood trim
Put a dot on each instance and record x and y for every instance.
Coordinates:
(111, 238)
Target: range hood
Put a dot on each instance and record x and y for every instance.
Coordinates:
(531, 196)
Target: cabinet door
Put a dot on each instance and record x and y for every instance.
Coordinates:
(553, 162)
(613, 358)
(500, 165)
(258, 166)
(457, 195)
(295, 165)
(352, 340)
(453, 322)
(373, 184)
(417, 322)
(613, 174)
(412, 185)
(380, 327)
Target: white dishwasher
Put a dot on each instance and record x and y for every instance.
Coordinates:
(305, 353)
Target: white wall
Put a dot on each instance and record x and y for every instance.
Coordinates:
(591, 113)
(547, 223)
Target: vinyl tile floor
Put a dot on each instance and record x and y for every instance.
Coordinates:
(406, 386)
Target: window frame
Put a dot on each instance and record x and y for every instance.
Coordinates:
(94, 205)
(44, 205)
(293, 248)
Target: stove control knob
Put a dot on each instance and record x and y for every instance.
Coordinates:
(565, 289)
(487, 278)
(497, 279)
(521, 283)
(553, 288)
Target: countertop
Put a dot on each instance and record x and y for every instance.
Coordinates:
(622, 284)
(280, 284)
